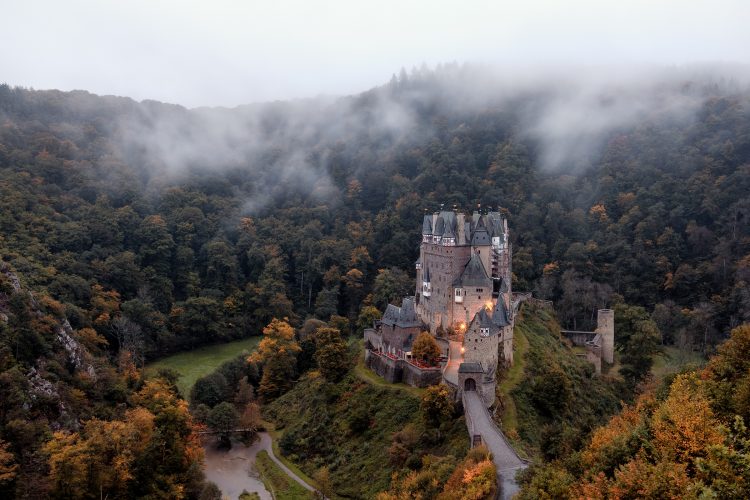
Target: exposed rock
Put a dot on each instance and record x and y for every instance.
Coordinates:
(12, 278)
(77, 354)
(39, 387)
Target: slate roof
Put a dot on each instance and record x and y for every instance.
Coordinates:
(500, 316)
(484, 319)
(495, 224)
(390, 316)
(477, 230)
(449, 232)
(480, 237)
(439, 226)
(470, 368)
(473, 274)
(427, 224)
(404, 316)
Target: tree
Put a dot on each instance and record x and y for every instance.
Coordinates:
(366, 318)
(390, 286)
(426, 349)
(129, 338)
(322, 478)
(277, 354)
(210, 390)
(638, 340)
(331, 354)
(251, 420)
(437, 405)
(8, 467)
(223, 419)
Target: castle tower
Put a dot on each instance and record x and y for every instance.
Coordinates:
(605, 326)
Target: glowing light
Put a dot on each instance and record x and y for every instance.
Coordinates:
(489, 304)
(462, 326)
(463, 349)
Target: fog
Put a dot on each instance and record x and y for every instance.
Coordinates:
(567, 113)
(232, 52)
(276, 90)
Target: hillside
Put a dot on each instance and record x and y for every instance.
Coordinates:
(153, 229)
(204, 224)
(72, 422)
(551, 399)
(687, 441)
(362, 433)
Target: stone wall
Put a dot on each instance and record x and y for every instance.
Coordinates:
(605, 325)
(473, 302)
(399, 370)
(445, 264)
(399, 338)
(507, 346)
(384, 366)
(444, 345)
(373, 337)
(478, 349)
(594, 356)
(418, 377)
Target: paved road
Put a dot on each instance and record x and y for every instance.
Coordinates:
(505, 458)
(451, 370)
(267, 444)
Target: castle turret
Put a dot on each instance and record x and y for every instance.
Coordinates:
(605, 326)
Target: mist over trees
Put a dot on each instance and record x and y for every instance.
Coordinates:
(203, 225)
(152, 228)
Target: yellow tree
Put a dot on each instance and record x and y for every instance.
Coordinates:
(426, 349)
(684, 427)
(277, 354)
(8, 467)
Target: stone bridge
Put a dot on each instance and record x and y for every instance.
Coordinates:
(481, 426)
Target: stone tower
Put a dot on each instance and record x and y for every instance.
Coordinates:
(605, 326)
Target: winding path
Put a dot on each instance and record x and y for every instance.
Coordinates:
(506, 460)
(230, 469)
(266, 443)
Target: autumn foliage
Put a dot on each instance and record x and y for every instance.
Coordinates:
(692, 444)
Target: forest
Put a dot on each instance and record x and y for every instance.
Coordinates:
(144, 228)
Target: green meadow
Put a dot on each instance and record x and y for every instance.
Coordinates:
(194, 364)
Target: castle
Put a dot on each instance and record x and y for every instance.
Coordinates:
(462, 297)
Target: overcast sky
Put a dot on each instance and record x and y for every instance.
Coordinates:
(223, 52)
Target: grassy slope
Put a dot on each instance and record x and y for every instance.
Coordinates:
(315, 419)
(195, 364)
(675, 360)
(278, 482)
(538, 347)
